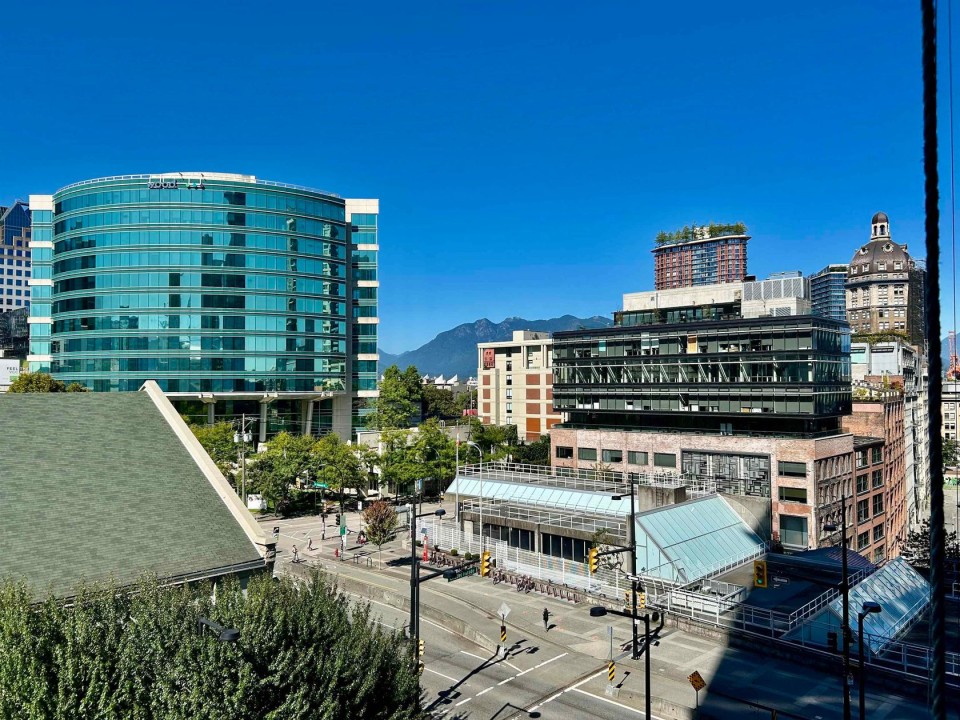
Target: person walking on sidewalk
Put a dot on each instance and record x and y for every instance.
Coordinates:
(296, 556)
(546, 619)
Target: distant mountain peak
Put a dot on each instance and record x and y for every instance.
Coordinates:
(454, 351)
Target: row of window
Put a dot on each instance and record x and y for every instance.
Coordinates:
(163, 259)
(811, 402)
(199, 364)
(655, 370)
(182, 195)
(256, 323)
(864, 507)
(147, 301)
(863, 485)
(285, 383)
(197, 238)
(248, 281)
(194, 343)
(863, 539)
(260, 221)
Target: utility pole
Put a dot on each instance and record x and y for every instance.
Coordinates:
(241, 438)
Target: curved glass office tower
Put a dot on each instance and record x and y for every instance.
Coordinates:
(234, 294)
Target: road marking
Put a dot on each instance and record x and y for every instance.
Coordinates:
(508, 680)
(587, 679)
(612, 702)
(462, 702)
(550, 699)
(545, 662)
(474, 656)
(446, 677)
(485, 690)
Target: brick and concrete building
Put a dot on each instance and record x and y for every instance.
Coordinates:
(14, 256)
(700, 256)
(516, 383)
(880, 523)
(950, 410)
(885, 287)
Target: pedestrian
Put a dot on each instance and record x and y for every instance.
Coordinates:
(323, 533)
(546, 619)
(296, 557)
(309, 543)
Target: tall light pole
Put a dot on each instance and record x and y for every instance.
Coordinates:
(241, 437)
(480, 476)
(634, 582)
(868, 607)
(845, 592)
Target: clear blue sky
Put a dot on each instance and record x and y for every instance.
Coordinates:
(525, 154)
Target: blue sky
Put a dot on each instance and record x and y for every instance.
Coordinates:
(525, 154)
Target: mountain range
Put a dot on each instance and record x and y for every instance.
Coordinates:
(454, 352)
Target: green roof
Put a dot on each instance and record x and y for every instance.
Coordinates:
(99, 485)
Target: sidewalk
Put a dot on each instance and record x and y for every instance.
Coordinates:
(470, 605)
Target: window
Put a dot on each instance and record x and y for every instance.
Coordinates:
(586, 453)
(509, 408)
(877, 478)
(862, 485)
(665, 460)
(877, 504)
(509, 393)
(509, 365)
(793, 469)
(612, 456)
(861, 458)
(878, 532)
(877, 455)
(878, 555)
(564, 453)
(793, 531)
(637, 458)
(509, 380)
(863, 510)
(789, 494)
(863, 540)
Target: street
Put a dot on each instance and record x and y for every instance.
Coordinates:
(560, 673)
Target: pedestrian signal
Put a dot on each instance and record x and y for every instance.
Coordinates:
(485, 563)
(594, 560)
(420, 649)
(760, 573)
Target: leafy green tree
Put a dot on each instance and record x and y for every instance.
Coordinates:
(303, 652)
(534, 453)
(437, 453)
(380, 524)
(217, 440)
(337, 465)
(439, 403)
(916, 548)
(400, 465)
(36, 382)
(274, 472)
(951, 453)
(399, 400)
(77, 387)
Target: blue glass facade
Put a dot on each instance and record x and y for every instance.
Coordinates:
(14, 256)
(828, 293)
(205, 283)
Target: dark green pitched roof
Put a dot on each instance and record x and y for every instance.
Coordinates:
(94, 485)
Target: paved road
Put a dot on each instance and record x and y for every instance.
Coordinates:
(562, 672)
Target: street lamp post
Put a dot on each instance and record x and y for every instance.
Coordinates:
(241, 438)
(414, 578)
(845, 593)
(868, 607)
(480, 477)
(224, 634)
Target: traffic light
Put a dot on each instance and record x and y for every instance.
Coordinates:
(420, 667)
(627, 600)
(420, 649)
(593, 560)
(485, 563)
(641, 600)
(760, 573)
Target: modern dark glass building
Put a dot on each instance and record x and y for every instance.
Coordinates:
(236, 295)
(828, 292)
(705, 369)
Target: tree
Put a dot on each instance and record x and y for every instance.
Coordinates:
(916, 548)
(535, 453)
(36, 382)
(217, 440)
(77, 387)
(380, 523)
(951, 453)
(399, 400)
(276, 469)
(439, 403)
(400, 467)
(336, 464)
(437, 453)
(304, 651)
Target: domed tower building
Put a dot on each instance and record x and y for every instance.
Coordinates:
(885, 287)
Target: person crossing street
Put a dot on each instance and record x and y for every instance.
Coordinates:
(546, 619)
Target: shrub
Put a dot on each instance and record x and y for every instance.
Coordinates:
(454, 552)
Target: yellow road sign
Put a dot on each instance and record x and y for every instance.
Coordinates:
(611, 670)
(697, 681)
